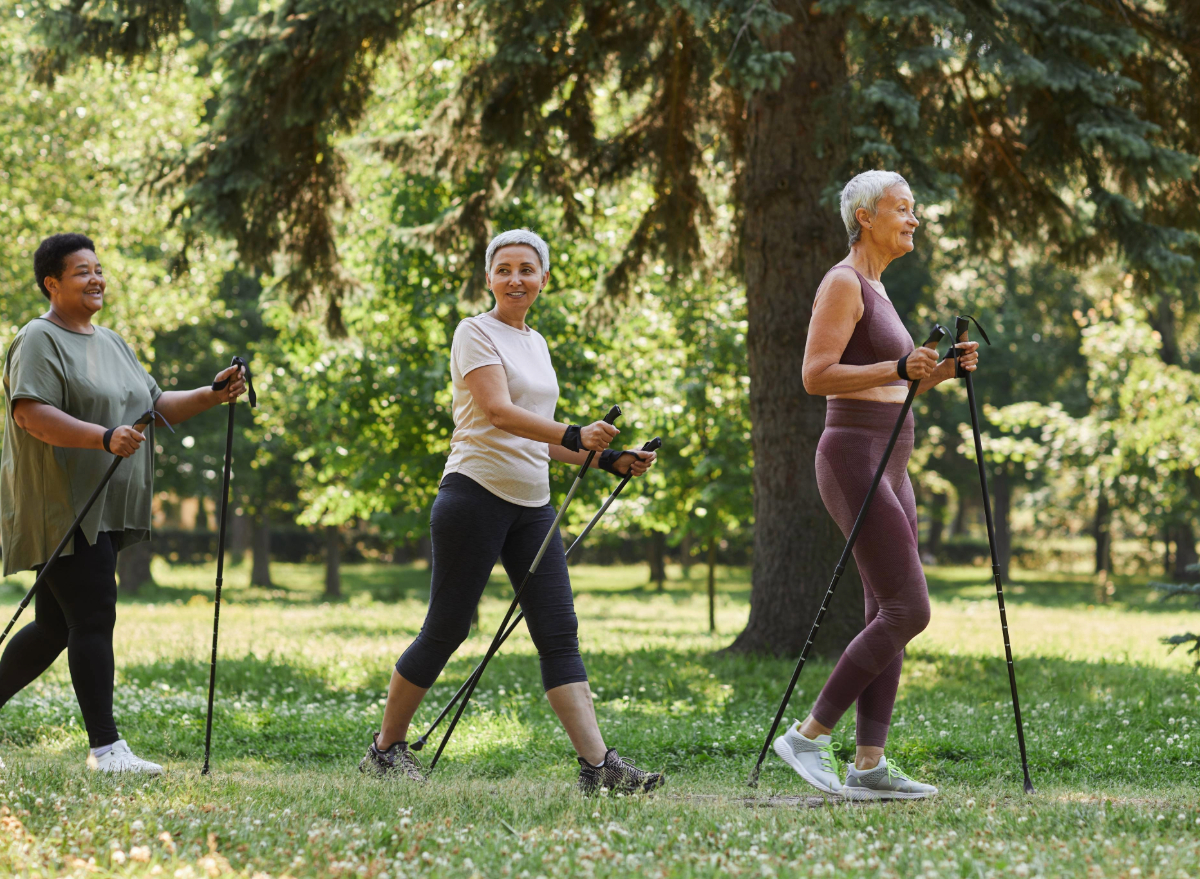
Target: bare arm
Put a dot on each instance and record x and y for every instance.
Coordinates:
(489, 386)
(177, 406)
(838, 307)
(56, 428)
(640, 461)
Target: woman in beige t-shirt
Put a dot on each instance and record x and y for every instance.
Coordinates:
(494, 502)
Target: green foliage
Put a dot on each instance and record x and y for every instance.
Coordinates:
(1138, 442)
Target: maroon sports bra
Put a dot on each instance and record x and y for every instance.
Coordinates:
(879, 335)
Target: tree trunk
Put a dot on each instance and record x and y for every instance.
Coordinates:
(1102, 532)
(791, 236)
(333, 563)
(685, 554)
(959, 526)
(1001, 505)
(1185, 552)
(712, 584)
(238, 537)
(260, 571)
(656, 549)
(133, 567)
(937, 512)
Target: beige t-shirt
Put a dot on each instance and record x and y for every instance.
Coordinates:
(509, 466)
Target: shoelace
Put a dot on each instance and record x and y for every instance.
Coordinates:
(896, 772)
(828, 750)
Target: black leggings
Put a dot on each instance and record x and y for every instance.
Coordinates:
(75, 608)
(471, 528)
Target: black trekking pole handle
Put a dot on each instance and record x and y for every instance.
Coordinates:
(653, 446)
(961, 325)
(224, 383)
(613, 414)
(143, 420)
(936, 335)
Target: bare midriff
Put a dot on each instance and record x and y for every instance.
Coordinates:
(885, 394)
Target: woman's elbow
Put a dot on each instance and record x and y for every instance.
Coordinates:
(812, 383)
(497, 418)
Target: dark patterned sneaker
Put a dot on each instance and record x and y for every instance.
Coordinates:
(395, 762)
(618, 775)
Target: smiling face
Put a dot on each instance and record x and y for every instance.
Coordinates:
(516, 280)
(892, 226)
(80, 288)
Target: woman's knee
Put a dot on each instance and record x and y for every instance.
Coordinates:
(554, 636)
(914, 619)
(99, 619)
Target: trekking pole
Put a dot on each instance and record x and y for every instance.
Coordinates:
(612, 416)
(212, 668)
(961, 325)
(651, 446)
(937, 334)
(144, 419)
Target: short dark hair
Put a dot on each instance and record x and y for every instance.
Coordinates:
(51, 256)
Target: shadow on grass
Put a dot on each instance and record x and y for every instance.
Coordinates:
(1046, 589)
(685, 711)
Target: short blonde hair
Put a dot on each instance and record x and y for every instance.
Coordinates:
(864, 191)
(517, 236)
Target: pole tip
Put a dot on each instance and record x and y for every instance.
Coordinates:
(1029, 787)
(752, 781)
(418, 744)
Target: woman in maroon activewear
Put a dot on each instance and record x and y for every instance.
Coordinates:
(858, 355)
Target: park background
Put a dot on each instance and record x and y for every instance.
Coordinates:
(311, 184)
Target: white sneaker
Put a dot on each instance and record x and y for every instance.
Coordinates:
(813, 759)
(884, 782)
(120, 759)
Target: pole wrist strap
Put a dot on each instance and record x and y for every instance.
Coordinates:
(572, 439)
(609, 459)
(108, 439)
(902, 367)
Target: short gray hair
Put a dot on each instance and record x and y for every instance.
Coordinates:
(518, 236)
(864, 191)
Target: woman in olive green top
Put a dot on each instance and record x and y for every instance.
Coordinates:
(72, 389)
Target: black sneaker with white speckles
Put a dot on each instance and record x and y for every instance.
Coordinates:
(396, 761)
(617, 775)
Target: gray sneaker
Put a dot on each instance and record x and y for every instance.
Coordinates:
(394, 762)
(813, 759)
(884, 782)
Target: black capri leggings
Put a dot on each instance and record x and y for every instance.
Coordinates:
(75, 609)
(471, 528)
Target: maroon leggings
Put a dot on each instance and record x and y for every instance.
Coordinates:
(897, 598)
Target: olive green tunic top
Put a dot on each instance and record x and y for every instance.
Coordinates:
(95, 378)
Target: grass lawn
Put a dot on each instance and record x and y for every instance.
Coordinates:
(1112, 721)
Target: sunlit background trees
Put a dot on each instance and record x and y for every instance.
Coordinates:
(311, 184)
